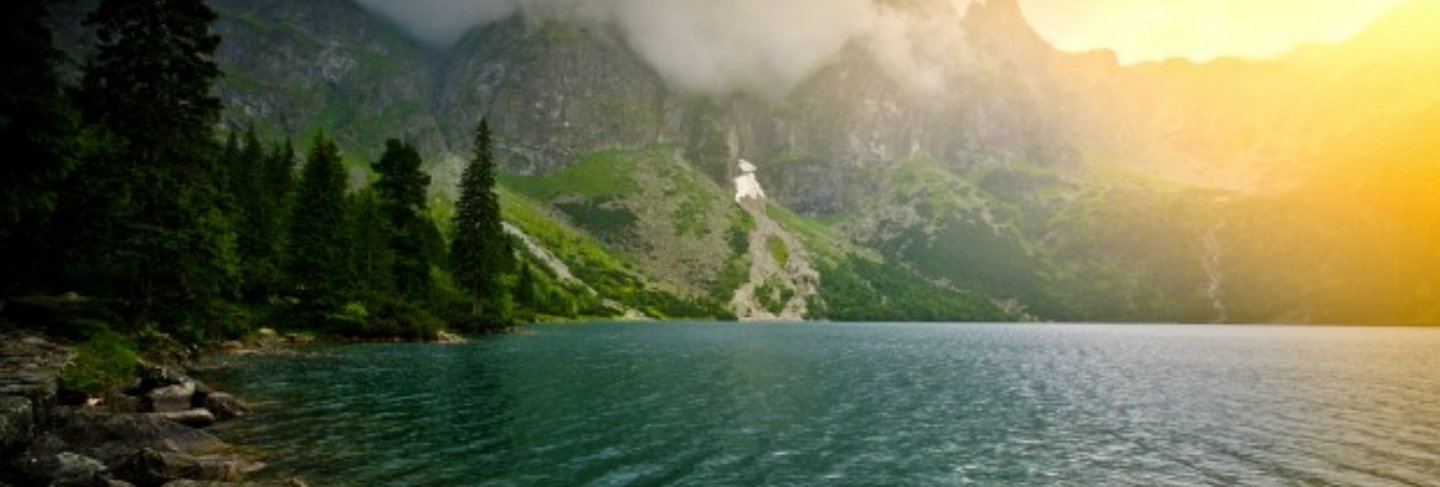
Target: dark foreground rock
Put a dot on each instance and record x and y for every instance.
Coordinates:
(113, 437)
(155, 468)
(17, 422)
(199, 483)
(148, 436)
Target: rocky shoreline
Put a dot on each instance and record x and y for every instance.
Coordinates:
(152, 433)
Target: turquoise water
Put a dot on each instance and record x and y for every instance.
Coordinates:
(861, 404)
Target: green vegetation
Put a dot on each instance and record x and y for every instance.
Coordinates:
(402, 197)
(859, 289)
(594, 176)
(171, 235)
(149, 227)
(38, 129)
(316, 257)
(104, 362)
(774, 295)
(664, 225)
(779, 252)
(857, 285)
(479, 252)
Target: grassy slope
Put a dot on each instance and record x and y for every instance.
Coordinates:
(652, 211)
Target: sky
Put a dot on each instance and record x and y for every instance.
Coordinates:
(1147, 30)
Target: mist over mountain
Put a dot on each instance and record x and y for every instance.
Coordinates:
(711, 48)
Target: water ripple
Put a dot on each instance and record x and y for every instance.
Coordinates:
(613, 404)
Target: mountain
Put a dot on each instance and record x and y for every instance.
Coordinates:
(962, 169)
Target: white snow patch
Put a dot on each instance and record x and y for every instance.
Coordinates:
(747, 186)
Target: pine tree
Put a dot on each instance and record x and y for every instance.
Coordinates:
(316, 251)
(156, 190)
(251, 202)
(372, 260)
(479, 252)
(37, 128)
(401, 191)
(275, 185)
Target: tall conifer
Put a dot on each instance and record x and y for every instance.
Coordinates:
(479, 252)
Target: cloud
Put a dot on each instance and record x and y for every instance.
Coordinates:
(440, 23)
(714, 47)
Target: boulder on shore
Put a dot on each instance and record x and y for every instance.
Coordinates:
(211, 483)
(171, 399)
(76, 470)
(194, 418)
(63, 469)
(112, 438)
(154, 468)
(224, 406)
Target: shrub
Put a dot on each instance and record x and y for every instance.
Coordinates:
(104, 362)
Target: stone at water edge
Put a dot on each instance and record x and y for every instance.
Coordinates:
(112, 438)
(195, 418)
(154, 377)
(224, 406)
(209, 483)
(447, 337)
(150, 467)
(170, 399)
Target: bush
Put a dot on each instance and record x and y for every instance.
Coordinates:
(104, 362)
(385, 317)
(394, 318)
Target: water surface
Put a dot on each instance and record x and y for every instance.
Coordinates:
(622, 404)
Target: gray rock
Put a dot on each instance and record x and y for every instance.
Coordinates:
(224, 406)
(112, 438)
(270, 483)
(153, 468)
(77, 471)
(17, 419)
(172, 398)
(63, 469)
(195, 418)
(154, 377)
(122, 404)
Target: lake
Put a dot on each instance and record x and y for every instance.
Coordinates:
(848, 404)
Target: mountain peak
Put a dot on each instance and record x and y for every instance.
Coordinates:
(1000, 26)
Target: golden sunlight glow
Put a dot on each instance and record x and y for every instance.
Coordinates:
(1147, 30)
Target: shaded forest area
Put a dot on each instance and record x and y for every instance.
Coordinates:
(127, 215)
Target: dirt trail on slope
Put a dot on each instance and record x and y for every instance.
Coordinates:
(793, 285)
